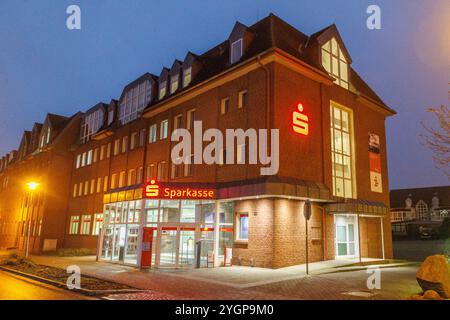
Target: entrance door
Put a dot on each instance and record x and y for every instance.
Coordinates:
(346, 237)
(118, 244)
(176, 246)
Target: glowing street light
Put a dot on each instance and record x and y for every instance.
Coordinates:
(32, 186)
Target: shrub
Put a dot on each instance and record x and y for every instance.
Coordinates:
(444, 229)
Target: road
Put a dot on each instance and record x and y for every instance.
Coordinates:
(13, 287)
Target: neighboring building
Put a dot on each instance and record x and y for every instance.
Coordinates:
(266, 76)
(412, 209)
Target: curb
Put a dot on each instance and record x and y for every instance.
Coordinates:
(359, 268)
(60, 285)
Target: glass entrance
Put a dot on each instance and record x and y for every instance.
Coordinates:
(168, 247)
(118, 243)
(346, 236)
(176, 246)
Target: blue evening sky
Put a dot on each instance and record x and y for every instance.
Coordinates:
(44, 67)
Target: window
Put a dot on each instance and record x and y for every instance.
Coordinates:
(163, 130)
(152, 133)
(178, 122)
(89, 158)
(108, 151)
(80, 189)
(162, 89)
(174, 83)
(83, 159)
(92, 186)
(114, 181)
(242, 227)
(161, 174)
(95, 155)
(190, 119)
(422, 210)
(236, 51)
(242, 99)
(78, 163)
(98, 223)
(187, 76)
(86, 188)
(74, 224)
(91, 124)
(102, 152)
(99, 185)
(139, 175)
(224, 105)
(141, 138)
(342, 156)
(110, 116)
(105, 184)
(47, 139)
(134, 101)
(122, 179)
(86, 224)
(333, 60)
(134, 141)
(124, 144)
(131, 177)
(116, 147)
(177, 169)
(151, 172)
(75, 190)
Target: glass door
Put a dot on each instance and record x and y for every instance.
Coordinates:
(118, 244)
(346, 237)
(186, 249)
(168, 247)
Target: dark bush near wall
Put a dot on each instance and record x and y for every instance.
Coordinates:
(444, 229)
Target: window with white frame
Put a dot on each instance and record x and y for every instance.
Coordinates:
(89, 158)
(334, 62)
(78, 163)
(98, 223)
(74, 224)
(83, 159)
(174, 83)
(342, 156)
(134, 101)
(91, 124)
(236, 51)
(242, 227)
(242, 99)
(163, 129)
(152, 133)
(86, 224)
(187, 76)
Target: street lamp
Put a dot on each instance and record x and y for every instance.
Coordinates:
(32, 186)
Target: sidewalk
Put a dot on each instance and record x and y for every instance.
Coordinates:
(233, 282)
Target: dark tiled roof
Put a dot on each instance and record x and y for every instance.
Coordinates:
(399, 196)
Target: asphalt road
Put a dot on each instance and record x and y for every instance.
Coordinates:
(13, 287)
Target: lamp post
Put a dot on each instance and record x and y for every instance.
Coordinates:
(32, 186)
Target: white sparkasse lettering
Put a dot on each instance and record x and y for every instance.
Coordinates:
(218, 151)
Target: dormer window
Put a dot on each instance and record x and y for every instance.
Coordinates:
(187, 76)
(47, 139)
(174, 83)
(134, 100)
(162, 89)
(334, 62)
(91, 124)
(236, 51)
(110, 116)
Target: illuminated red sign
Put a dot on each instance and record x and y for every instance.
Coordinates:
(300, 121)
(161, 191)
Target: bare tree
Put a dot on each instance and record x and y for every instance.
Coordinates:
(438, 139)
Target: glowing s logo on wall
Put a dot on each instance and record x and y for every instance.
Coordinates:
(152, 190)
(300, 121)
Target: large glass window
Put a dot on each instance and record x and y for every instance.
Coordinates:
(170, 211)
(134, 101)
(86, 224)
(342, 157)
(98, 223)
(242, 226)
(334, 62)
(90, 125)
(236, 51)
(74, 224)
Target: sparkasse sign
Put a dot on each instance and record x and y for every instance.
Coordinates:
(163, 191)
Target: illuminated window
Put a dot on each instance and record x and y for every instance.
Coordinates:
(114, 181)
(102, 152)
(83, 159)
(80, 189)
(134, 101)
(74, 224)
(174, 83)
(152, 133)
(342, 157)
(86, 224)
(98, 223)
(162, 171)
(131, 177)
(122, 179)
(242, 227)
(105, 184)
(86, 188)
(236, 51)
(162, 89)
(75, 190)
(224, 105)
(151, 172)
(89, 158)
(78, 163)
(92, 186)
(242, 99)
(163, 130)
(99, 185)
(95, 155)
(139, 174)
(108, 151)
(187, 76)
(334, 62)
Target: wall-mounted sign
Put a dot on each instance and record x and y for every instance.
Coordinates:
(300, 121)
(376, 184)
(162, 191)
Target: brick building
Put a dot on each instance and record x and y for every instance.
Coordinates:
(332, 151)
